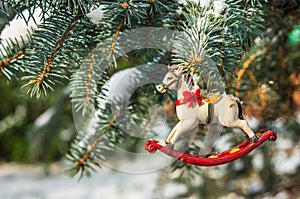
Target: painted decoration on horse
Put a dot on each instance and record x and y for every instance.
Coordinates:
(193, 108)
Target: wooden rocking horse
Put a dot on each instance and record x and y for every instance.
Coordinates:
(191, 109)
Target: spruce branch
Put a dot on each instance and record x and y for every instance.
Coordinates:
(216, 36)
(10, 59)
(12, 52)
(39, 83)
(4, 63)
(57, 43)
(112, 48)
(133, 11)
(113, 126)
(103, 61)
(81, 6)
(47, 6)
(93, 153)
(89, 81)
(161, 11)
(30, 5)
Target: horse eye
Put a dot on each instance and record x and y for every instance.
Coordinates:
(169, 78)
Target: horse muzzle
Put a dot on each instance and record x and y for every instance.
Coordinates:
(162, 88)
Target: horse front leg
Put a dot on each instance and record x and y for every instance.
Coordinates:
(180, 128)
(170, 136)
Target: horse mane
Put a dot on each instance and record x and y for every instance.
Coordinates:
(188, 78)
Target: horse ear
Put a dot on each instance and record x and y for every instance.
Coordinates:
(180, 69)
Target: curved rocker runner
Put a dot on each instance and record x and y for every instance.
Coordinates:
(216, 158)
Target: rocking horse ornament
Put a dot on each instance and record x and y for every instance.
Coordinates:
(192, 110)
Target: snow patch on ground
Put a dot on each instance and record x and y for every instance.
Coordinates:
(31, 182)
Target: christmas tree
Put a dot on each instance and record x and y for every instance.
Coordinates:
(250, 48)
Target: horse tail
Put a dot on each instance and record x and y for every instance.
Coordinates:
(240, 109)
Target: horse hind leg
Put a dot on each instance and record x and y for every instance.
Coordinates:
(243, 124)
(238, 121)
(250, 135)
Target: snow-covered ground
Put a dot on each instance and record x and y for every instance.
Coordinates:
(31, 182)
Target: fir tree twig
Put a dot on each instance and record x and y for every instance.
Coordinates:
(4, 63)
(81, 163)
(38, 82)
(112, 48)
(90, 76)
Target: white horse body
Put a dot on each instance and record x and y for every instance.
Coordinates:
(226, 110)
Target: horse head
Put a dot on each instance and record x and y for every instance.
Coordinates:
(172, 79)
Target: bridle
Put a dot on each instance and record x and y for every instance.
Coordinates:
(175, 80)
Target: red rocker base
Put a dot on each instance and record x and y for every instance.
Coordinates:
(216, 158)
